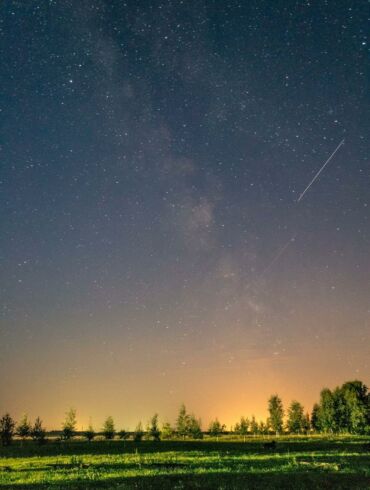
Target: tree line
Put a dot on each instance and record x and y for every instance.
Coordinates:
(346, 409)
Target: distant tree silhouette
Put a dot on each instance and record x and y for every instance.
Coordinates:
(215, 428)
(90, 433)
(23, 429)
(188, 425)
(167, 431)
(194, 427)
(315, 415)
(138, 433)
(346, 409)
(254, 426)
(296, 419)
(182, 422)
(241, 427)
(307, 423)
(351, 407)
(7, 425)
(108, 428)
(276, 411)
(38, 432)
(153, 428)
(263, 427)
(69, 424)
(326, 412)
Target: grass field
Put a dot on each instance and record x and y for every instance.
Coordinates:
(296, 463)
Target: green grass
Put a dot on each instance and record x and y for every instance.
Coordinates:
(297, 463)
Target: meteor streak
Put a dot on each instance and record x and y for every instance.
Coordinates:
(278, 255)
(321, 169)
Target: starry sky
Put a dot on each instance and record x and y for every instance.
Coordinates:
(152, 247)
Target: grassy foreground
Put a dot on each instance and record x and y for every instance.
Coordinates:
(296, 463)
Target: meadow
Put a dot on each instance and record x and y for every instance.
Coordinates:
(297, 462)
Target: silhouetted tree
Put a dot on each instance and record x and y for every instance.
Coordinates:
(182, 422)
(326, 413)
(194, 427)
(254, 426)
(276, 411)
(315, 415)
(296, 418)
(345, 409)
(167, 431)
(242, 427)
(307, 423)
(69, 424)
(90, 433)
(153, 428)
(38, 432)
(263, 427)
(108, 428)
(215, 428)
(350, 401)
(7, 425)
(138, 433)
(24, 427)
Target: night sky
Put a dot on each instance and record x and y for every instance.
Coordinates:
(152, 249)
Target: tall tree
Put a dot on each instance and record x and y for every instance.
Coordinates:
(7, 425)
(38, 432)
(307, 423)
(296, 418)
(345, 409)
(276, 411)
(242, 427)
(315, 417)
(350, 401)
(263, 427)
(153, 428)
(24, 427)
(138, 433)
(108, 428)
(326, 413)
(167, 431)
(254, 426)
(69, 424)
(182, 422)
(194, 427)
(215, 428)
(90, 432)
